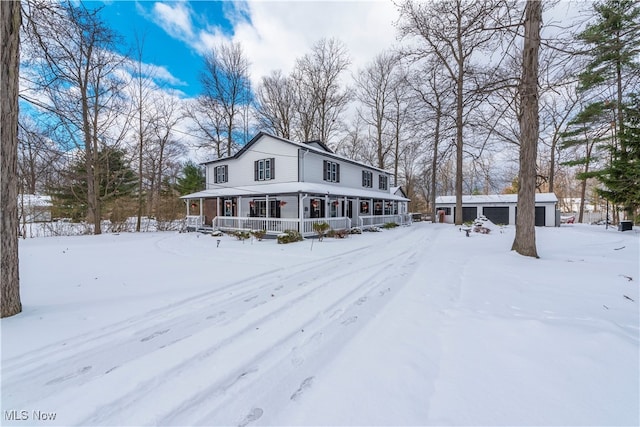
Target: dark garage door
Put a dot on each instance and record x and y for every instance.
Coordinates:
(540, 216)
(469, 213)
(540, 211)
(497, 215)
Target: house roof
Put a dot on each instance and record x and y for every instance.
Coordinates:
(34, 200)
(315, 146)
(398, 191)
(495, 198)
(293, 188)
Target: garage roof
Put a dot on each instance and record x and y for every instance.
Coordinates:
(495, 198)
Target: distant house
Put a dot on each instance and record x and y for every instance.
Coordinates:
(499, 208)
(34, 208)
(275, 184)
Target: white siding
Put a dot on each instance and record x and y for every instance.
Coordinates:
(241, 170)
(350, 174)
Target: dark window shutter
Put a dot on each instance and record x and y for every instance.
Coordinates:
(255, 170)
(226, 173)
(325, 170)
(273, 168)
(215, 174)
(363, 178)
(337, 172)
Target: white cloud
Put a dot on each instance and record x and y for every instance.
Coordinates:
(275, 33)
(281, 31)
(175, 20)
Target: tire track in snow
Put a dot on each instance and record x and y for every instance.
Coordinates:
(175, 324)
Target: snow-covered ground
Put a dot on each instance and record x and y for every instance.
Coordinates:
(417, 325)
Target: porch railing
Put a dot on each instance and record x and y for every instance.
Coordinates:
(339, 223)
(277, 225)
(378, 220)
(194, 221)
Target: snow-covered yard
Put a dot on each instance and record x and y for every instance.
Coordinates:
(417, 325)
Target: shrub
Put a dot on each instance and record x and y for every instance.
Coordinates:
(356, 230)
(259, 234)
(289, 236)
(390, 225)
(242, 235)
(321, 228)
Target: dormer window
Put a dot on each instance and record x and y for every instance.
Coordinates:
(265, 169)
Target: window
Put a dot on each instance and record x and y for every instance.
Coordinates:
(258, 208)
(264, 169)
(367, 179)
(331, 171)
(383, 182)
(220, 174)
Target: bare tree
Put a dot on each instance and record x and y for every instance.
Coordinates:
(141, 92)
(226, 88)
(374, 90)
(525, 239)
(432, 93)
(275, 104)
(73, 52)
(10, 20)
(163, 148)
(321, 99)
(454, 31)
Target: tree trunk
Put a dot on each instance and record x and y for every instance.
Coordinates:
(525, 240)
(10, 19)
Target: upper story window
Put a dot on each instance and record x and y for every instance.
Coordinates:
(220, 174)
(383, 182)
(367, 179)
(264, 169)
(331, 171)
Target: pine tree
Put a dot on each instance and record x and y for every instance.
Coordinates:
(612, 43)
(192, 179)
(621, 177)
(116, 180)
(587, 133)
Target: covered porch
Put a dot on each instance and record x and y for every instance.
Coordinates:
(246, 209)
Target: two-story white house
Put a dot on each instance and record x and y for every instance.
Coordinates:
(275, 184)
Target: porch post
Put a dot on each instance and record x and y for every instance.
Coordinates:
(218, 206)
(266, 201)
(201, 207)
(239, 204)
(326, 205)
(188, 202)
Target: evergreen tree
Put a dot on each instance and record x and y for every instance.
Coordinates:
(192, 179)
(116, 180)
(587, 132)
(621, 177)
(612, 44)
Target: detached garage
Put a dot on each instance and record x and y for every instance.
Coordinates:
(499, 208)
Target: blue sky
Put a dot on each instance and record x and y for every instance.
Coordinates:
(137, 19)
(273, 33)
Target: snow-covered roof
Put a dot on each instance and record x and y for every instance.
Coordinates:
(495, 198)
(293, 188)
(315, 146)
(34, 200)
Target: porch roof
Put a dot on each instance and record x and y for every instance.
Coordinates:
(293, 188)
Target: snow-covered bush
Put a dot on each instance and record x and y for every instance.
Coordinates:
(289, 236)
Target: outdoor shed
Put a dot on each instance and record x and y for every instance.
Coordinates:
(499, 208)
